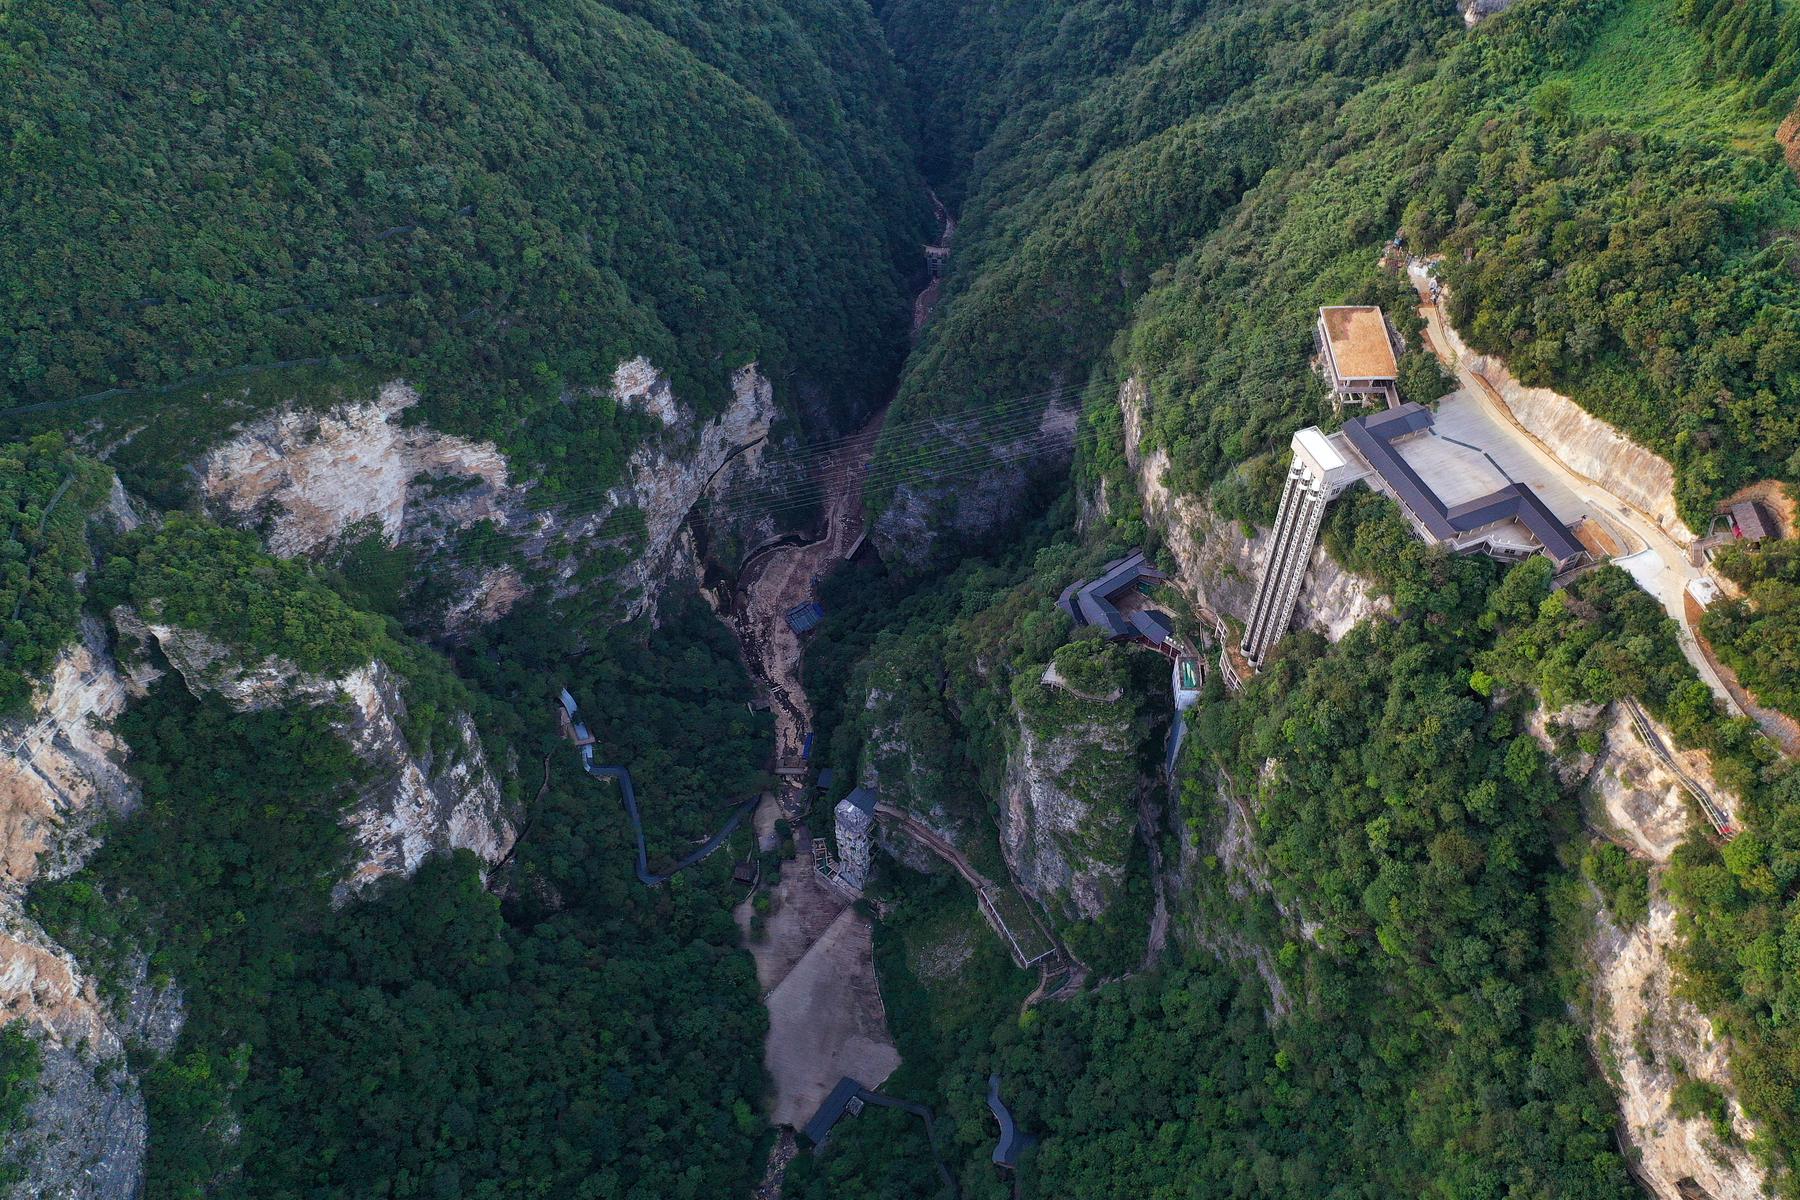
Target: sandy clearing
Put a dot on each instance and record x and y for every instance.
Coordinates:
(826, 1021)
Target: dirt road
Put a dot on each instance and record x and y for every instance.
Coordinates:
(781, 577)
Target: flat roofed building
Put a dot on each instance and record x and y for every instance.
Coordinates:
(1480, 523)
(1329, 458)
(1356, 349)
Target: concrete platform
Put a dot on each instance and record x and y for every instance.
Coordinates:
(1456, 473)
(1465, 417)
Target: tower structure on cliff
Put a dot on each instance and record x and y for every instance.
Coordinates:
(854, 819)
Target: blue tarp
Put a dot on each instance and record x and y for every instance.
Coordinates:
(803, 617)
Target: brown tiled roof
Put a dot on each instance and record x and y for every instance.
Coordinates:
(1749, 520)
(1359, 342)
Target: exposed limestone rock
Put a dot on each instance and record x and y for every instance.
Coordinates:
(1057, 843)
(422, 806)
(1586, 444)
(932, 509)
(314, 480)
(1570, 767)
(1642, 1033)
(60, 774)
(1642, 800)
(668, 475)
(88, 1128)
(414, 805)
(309, 477)
(61, 770)
(1217, 563)
(1645, 1034)
(1475, 11)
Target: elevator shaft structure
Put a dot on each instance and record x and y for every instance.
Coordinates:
(1323, 467)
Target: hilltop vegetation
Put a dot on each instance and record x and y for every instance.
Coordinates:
(1182, 187)
(501, 201)
(548, 1026)
(47, 493)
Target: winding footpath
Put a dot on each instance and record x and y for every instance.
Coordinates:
(628, 791)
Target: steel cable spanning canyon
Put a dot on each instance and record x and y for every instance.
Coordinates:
(584, 741)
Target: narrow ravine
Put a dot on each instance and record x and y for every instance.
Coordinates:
(815, 952)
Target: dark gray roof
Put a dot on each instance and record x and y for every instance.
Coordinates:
(1485, 510)
(1098, 611)
(1396, 472)
(863, 798)
(1536, 516)
(1372, 437)
(825, 778)
(1121, 574)
(833, 1108)
(1154, 626)
(1398, 422)
(1066, 601)
(1006, 1150)
(1091, 603)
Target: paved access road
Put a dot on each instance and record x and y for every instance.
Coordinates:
(1475, 414)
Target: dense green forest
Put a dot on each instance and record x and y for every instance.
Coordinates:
(47, 494)
(1758, 633)
(1182, 185)
(502, 201)
(552, 1029)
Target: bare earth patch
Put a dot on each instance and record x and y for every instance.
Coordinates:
(826, 1021)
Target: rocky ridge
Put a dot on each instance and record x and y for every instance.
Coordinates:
(313, 481)
(416, 804)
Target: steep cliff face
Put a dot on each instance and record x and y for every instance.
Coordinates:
(1217, 564)
(1068, 802)
(61, 774)
(61, 771)
(900, 759)
(416, 803)
(950, 493)
(311, 480)
(1647, 1037)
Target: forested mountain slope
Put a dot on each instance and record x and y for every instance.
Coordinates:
(1193, 180)
(214, 219)
(1338, 942)
(501, 201)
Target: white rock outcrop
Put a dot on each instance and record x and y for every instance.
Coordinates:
(1645, 1035)
(60, 773)
(1476, 11)
(61, 769)
(312, 480)
(309, 477)
(416, 803)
